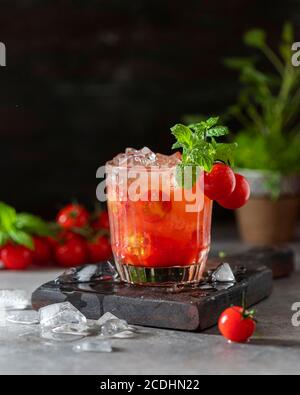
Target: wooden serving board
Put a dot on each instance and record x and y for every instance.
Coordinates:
(280, 259)
(190, 309)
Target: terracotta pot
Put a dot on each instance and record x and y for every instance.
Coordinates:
(265, 220)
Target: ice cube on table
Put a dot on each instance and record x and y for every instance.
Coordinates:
(3, 317)
(13, 299)
(25, 317)
(125, 335)
(223, 274)
(114, 327)
(71, 329)
(60, 314)
(106, 317)
(94, 346)
(58, 337)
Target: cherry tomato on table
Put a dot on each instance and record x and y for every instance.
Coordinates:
(220, 182)
(73, 216)
(102, 222)
(240, 195)
(16, 257)
(68, 235)
(71, 253)
(99, 249)
(42, 253)
(62, 238)
(237, 324)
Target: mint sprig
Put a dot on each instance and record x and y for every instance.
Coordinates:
(199, 144)
(19, 228)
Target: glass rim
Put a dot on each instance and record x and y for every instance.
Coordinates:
(147, 169)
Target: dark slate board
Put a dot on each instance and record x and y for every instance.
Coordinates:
(191, 309)
(281, 260)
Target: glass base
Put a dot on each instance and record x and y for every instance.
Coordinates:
(161, 277)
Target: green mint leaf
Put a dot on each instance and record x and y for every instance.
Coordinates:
(211, 122)
(22, 238)
(177, 145)
(200, 148)
(218, 131)
(203, 156)
(199, 129)
(202, 127)
(7, 216)
(183, 135)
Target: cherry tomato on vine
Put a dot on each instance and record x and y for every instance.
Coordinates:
(240, 195)
(62, 238)
(73, 216)
(220, 182)
(99, 250)
(42, 253)
(16, 257)
(67, 235)
(237, 324)
(71, 253)
(102, 222)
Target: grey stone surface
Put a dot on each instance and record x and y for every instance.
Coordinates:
(275, 349)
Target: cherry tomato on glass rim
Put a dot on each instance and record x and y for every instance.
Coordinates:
(220, 182)
(16, 257)
(240, 195)
(237, 324)
(73, 216)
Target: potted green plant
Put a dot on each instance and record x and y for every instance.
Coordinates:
(269, 141)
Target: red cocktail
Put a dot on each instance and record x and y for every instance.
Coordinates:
(160, 231)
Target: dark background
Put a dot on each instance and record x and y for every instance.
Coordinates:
(87, 78)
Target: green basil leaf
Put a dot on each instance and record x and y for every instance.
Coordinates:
(7, 216)
(33, 225)
(3, 238)
(22, 238)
